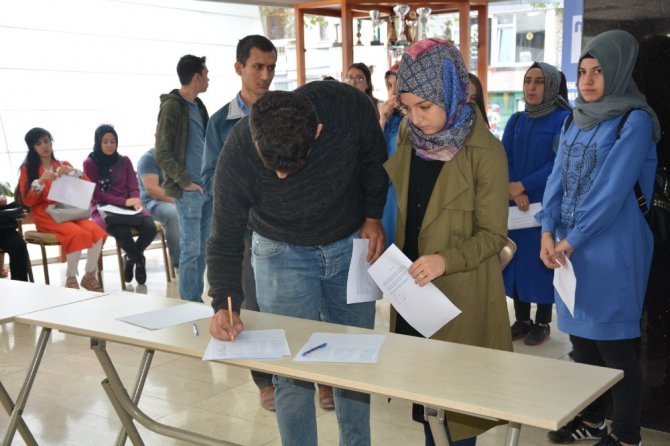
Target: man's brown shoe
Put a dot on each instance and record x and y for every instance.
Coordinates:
(267, 395)
(326, 400)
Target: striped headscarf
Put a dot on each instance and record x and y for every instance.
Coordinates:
(433, 69)
(551, 99)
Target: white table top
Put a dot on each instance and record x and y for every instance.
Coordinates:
(472, 380)
(24, 297)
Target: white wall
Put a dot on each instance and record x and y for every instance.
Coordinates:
(70, 65)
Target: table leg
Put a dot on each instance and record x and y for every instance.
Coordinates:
(122, 397)
(27, 385)
(513, 432)
(141, 378)
(8, 404)
(436, 420)
(128, 429)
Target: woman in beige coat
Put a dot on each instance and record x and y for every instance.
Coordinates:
(450, 177)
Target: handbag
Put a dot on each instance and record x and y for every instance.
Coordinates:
(658, 215)
(62, 212)
(507, 253)
(11, 213)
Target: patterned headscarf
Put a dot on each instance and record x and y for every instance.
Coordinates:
(433, 69)
(551, 99)
(616, 51)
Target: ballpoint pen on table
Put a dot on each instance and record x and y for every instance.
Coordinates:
(195, 330)
(307, 352)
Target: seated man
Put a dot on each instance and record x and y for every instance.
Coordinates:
(154, 200)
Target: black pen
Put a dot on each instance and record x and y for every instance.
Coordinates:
(307, 352)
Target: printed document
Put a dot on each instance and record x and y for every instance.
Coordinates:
(250, 344)
(340, 347)
(425, 308)
(360, 286)
(111, 209)
(565, 283)
(170, 316)
(72, 191)
(517, 219)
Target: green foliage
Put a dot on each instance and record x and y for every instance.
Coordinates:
(6, 189)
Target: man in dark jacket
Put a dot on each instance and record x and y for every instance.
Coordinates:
(180, 141)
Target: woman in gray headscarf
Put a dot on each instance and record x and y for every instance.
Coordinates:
(590, 206)
(450, 178)
(529, 143)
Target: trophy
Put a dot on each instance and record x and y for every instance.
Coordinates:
(359, 24)
(392, 36)
(423, 22)
(401, 11)
(374, 16)
(410, 27)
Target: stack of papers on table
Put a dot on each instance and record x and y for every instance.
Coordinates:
(351, 348)
(170, 316)
(250, 344)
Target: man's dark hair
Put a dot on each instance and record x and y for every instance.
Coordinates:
(188, 67)
(283, 126)
(245, 45)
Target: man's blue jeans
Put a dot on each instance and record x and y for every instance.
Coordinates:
(310, 282)
(166, 213)
(195, 220)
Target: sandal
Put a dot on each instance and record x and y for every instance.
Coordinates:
(71, 282)
(91, 283)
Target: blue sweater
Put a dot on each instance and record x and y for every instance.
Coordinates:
(590, 199)
(529, 145)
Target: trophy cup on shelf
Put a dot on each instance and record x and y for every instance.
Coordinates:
(374, 16)
(392, 35)
(410, 27)
(401, 11)
(359, 24)
(423, 22)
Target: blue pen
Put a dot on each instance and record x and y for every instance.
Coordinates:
(307, 352)
(195, 330)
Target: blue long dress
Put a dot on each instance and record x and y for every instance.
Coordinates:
(391, 209)
(529, 144)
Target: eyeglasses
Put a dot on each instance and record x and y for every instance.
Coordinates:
(355, 79)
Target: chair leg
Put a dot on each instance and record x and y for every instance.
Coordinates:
(100, 270)
(118, 255)
(45, 264)
(165, 257)
(31, 278)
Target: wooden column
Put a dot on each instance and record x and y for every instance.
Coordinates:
(464, 31)
(347, 27)
(300, 46)
(483, 46)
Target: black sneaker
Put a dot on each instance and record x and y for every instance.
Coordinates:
(520, 329)
(141, 271)
(128, 269)
(611, 440)
(539, 333)
(577, 430)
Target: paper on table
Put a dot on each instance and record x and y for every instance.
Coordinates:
(250, 344)
(517, 219)
(565, 283)
(71, 190)
(360, 286)
(111, 209)
(351, 348)
(168, 317)
(425, 308)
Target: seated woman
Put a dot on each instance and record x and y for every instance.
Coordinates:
(116, 184)
(38, 171)
(13, 244)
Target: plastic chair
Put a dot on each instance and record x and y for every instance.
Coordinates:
(169, 269)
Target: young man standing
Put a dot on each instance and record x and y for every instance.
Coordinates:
(256, 60)
(304, 173)
(180, 142)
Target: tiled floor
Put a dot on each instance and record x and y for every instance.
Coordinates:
(67, 405)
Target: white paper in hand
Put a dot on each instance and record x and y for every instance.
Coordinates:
(72, 191)
(565, 283)
(360, 286)
(425, 308)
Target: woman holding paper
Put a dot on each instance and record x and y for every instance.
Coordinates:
(39, 169)
(116, 184)
(529, 143)
(450, 178)
(605, 154)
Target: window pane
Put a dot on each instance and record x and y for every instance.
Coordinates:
(505, 45)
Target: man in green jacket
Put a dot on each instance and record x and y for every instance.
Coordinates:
(180, 142)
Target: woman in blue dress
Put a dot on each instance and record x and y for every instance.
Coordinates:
(529, 143)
